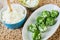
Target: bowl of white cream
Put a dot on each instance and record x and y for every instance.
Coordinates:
(29, 3)
(14, 19)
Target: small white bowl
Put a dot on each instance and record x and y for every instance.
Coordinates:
(27, 35)
(31, 4)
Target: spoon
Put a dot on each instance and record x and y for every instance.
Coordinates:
(9, 4)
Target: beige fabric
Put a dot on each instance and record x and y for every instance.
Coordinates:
(7, 34)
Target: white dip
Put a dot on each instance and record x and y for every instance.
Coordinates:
(15, 16)
(29, 3)
(32, 3)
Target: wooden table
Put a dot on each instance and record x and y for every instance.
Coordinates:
(7, 34)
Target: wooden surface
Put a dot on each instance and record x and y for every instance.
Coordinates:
(7, 34)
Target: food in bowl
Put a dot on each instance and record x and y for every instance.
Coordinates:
(29, 3)
(15, 18)
(42, 23)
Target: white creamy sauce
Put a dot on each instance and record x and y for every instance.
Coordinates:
(32, 3)
(13, 17)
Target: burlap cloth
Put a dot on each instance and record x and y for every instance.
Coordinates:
(7, 34)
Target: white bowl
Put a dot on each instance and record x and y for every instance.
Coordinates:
(27, 35)
(28, 4)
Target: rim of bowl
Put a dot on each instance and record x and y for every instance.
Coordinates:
(4, 8)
